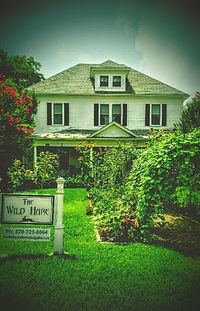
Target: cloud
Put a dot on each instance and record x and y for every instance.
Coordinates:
(169, 47)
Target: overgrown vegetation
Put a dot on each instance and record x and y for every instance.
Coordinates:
(130, 191)
(169, 168)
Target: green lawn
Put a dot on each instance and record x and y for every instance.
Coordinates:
(103, 276)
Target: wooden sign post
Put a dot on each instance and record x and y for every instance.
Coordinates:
(31, 209)
(59, 227)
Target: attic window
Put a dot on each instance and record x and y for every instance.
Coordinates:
(116, 80)
(103, 80)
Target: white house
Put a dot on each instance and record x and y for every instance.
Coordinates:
(102, 104)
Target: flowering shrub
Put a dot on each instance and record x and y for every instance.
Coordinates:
(17, 110)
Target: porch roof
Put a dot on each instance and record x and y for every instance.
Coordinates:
(81, 134)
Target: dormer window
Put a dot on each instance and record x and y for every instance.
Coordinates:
(103, 80)
(117, 81)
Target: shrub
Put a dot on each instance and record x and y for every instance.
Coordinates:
(44, 173)
(46, 169)
(18, 174)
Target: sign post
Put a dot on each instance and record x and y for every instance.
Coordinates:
(59, 227)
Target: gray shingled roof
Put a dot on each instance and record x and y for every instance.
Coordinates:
(76, 81)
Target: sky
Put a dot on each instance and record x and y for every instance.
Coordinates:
(158, 38)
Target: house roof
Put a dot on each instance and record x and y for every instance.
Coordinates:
(77, 81)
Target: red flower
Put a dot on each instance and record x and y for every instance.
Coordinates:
(10, 120)
(20, 102)
(20, 128)
(27, 111)
(17, 120)
(127, 221)
(2, 76)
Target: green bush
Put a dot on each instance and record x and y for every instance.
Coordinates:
(18, 175)
(44, 173)
(46, 169)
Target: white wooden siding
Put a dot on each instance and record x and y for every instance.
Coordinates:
(81, 111)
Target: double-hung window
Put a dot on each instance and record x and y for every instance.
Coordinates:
(116, 113)
(155, 114)
(57, 113)
(104, 114)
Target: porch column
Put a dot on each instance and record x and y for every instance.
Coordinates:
(35, 155)
(91, 155)
(91, 161)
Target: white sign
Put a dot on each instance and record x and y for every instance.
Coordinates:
(26, 234)
(27, 209)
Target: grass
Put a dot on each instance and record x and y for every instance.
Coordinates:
(104, 276)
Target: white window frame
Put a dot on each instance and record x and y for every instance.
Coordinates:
(110, 112)
(61, 124)
(151, 105)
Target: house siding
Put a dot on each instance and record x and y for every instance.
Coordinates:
(81, 111)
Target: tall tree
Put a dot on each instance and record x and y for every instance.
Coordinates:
(23, 70)
(190, 117)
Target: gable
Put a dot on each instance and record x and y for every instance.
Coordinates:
(113, 130)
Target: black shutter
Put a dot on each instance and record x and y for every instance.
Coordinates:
(96, 114)
(49, 113)
(66, 114)
(147, 114)
(164, 114)
(124, 122)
